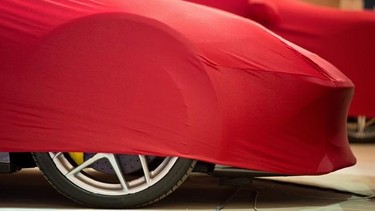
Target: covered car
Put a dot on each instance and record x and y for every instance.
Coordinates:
(344, 38)
(161, 84)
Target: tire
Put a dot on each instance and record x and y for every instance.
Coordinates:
(95, 188)
(361, 129)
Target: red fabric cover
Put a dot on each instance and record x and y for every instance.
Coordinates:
(167, 78)
(344, 38)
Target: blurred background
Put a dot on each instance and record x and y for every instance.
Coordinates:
(346, 4)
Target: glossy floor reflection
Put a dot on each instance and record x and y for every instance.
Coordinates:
(348, 189)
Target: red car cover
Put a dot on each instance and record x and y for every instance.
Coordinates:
(344, 38)
(167, 78)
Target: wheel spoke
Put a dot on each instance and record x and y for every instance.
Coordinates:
(57, 155)
(146, 171)
(85, 164)
(115, 165)
(361, 123)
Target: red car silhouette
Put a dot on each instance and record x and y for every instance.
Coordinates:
(118, 99)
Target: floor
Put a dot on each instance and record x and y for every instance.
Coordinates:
(348, 189)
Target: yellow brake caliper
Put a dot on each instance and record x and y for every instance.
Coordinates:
(77, 157)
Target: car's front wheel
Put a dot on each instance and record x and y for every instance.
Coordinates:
(111, 180)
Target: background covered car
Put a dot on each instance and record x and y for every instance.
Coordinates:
(344, 38)
(175, 81)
